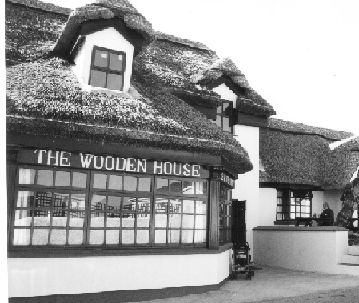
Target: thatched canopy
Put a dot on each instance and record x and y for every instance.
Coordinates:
(294, 153)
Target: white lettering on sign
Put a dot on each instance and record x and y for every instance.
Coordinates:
(110, 163)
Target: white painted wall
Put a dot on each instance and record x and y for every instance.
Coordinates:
(30, 277)
(225, 92)
(317, 202)
(247, 185)
(317, 249)
(109, 38)
(268, 206)
(333, 199)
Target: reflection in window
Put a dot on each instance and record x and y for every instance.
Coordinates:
(104, 208)
(293, 204)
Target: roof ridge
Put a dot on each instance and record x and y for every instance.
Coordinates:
(305, 129)
(41, 5)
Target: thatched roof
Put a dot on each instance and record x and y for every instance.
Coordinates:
(294, 153)
(32, 27)
(175, 62)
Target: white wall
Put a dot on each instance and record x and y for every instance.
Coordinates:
(247, 185)
(30, 277)
(109, 38)
(225, 92)
(268, 206)
(333, 199)
(317, 249)
(317, 202)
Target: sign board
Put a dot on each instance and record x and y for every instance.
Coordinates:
(110, 163)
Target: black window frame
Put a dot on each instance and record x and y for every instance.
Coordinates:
(107, 69)
(224, 113)
(286, 199)
(89, 191)
(225, 214)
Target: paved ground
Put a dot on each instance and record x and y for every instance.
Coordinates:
(283, 286)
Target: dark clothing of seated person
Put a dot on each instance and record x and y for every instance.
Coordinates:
(327, 216)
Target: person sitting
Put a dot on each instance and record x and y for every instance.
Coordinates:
(327, 216)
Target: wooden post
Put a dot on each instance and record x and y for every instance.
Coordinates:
(213, 236)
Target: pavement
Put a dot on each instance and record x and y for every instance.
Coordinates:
(279, 285)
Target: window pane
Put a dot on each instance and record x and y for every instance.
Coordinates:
(45, 177)
(219, 121)
(175, 186)
(128, 237)
(77, 218)
(78, 201)
(226, 126)
(200, 236)
(42, 218)
(160, 236)
(100, 58)
(60, 204)
(161, 184)
(22, 218)
(201, 207)
(97, 78)
(160, 220)
(116, 61)
(113, 220)
(175, 206)
(62, 178)
(97, 220)
(144, 184)
(99, 181)
(40, 237)
(97, 237)
(21, 237)
(130, 183)
(175, 221)
(112, 237)
(58, 237)
(25, 199)
(161, 205)
(187, 221)
(75, 237)
(114, 81)
(201, 222)
(143, 220)
(115, 182)
(225, 106)
(187, 236)
(79, 180)
(201, 188)
(43, 199)
(143, 205)
(173, 236)
(114, 204)
(219, 109)
(26, 176)
(143, 237)
(128, 212)
(188, 206)
(188, 187)
(98, 202)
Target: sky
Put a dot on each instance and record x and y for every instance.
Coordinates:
(301, 56)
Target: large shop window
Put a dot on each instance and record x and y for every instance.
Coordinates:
(225, 214)
(85, 207)
(107, 68)
(292, 204)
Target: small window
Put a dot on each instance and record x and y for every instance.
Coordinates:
(223, 116)
(107, 68)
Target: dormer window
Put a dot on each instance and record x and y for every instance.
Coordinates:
(107, 68)
(223, 116)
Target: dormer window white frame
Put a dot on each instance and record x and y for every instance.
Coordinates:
(108, 68)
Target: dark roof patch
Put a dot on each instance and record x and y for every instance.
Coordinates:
(47, 7)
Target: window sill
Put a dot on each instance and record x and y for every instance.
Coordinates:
(75, 252)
